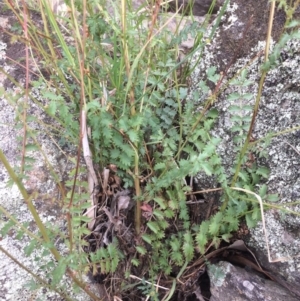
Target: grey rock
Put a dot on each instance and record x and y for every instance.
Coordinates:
(232, 283)
(240, 41)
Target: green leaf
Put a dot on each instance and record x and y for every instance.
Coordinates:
(226, 237)
(263, 171)
(272, 197)
(263, 190)
(160, 165)
(153, 226)
(133, 136)
(177, 258)
(202, 236)
(201, 239)
(244, 176)
(211, 74)
(114, 264)
(183, 93)
(5, 229)
(135, 262)
(30, 248)
(233, 224)
(115, 153)
(251, 223)
(159, 214)
(188, 246)
(175, 244)
(51, 108)
(147, 238)
(94, 105)
(169, 213)
(161, 202)
(31, 147)
(213, 113)
(58, 272)
(256, 214)
(293, 23)
(247, 96)
(141, 250)
(208, 169)
(233, 96)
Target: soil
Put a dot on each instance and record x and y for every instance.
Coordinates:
(250, 28)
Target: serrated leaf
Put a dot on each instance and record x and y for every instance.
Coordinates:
(153, 226)
(115, 153)
(292, 23)
(58, 272)
(95, 104)
(147, 238)
(263, 190)
(175, 244)
(31, 147)
(244, 176)
(161, 202)
(188, 246)
(233, 96)
(247, 82)
(177, 258)
(233, 224)
(169, 213)
(234, 109)
(201, 239)
(237, 118)
(107, 266)
(214, 228)
(211, 71)
(133, 136)
(207, 168)
(263, 171)
(51, 108)
(203, 87)
(183, 93)
(226, 237)
(213, 113)
(159, 166)
(5, 229)
(114, 264)
(247, 96)
(135, 262)
(173, 204)
(163, 224)
(141, 250)
(159, 214)
(112, 250)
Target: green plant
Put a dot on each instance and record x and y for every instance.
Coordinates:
(120, 79)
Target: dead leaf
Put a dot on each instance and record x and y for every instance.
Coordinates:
(146, 207)
(123, 202)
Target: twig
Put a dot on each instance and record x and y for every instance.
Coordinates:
(162, 287)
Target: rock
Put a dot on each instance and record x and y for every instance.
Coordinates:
(199, 7)
(232, 283)
(239, 41)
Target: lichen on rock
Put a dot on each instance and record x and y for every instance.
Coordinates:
(239, 43)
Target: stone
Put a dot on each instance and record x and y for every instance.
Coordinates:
(232, 283)
(239, 42)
